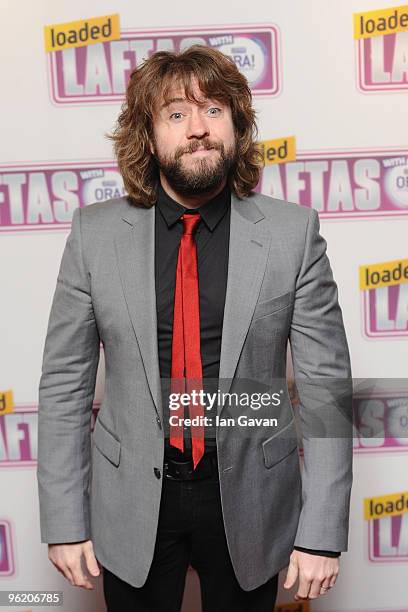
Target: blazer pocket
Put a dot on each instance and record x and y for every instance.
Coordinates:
(280, 445)
(106, 442)
(274, 304)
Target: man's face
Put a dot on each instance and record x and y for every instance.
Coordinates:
(194, 145)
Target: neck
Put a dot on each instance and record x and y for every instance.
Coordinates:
(194, 201)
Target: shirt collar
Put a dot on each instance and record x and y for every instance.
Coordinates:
(211, 212)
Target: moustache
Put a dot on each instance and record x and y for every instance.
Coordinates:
(195, 147)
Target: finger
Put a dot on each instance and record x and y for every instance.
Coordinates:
(304, 587)
(66, 572)
(325, 586)
(315, 589)
(79, 577)
(91, 562)
(291, 575)
(60, 564)
(333, 580)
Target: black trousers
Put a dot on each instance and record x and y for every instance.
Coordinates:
(190, 532)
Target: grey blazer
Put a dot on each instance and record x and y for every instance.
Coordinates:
(106, 485)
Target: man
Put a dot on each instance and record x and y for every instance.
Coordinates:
(194, 282)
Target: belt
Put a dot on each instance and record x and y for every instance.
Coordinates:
(183, 470)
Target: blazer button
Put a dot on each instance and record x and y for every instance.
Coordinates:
(157, 472)
(158, 421)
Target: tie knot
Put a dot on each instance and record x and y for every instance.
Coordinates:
(190, 222)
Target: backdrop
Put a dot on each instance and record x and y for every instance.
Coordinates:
(330, 83)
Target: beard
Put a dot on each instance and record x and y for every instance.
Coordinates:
(203, 175)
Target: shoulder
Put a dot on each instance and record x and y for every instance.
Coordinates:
(272, 208)
(105, 211)
(107, 216)
(283, 214)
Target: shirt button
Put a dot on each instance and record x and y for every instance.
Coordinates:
(157, 472)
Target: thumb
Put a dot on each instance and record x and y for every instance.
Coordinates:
(291, 574)
(91, 561)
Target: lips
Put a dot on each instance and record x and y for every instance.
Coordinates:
(202, 149)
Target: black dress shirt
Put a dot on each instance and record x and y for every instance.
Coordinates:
(212, 240)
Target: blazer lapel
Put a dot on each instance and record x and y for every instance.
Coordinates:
(248, 253)
(135, 255)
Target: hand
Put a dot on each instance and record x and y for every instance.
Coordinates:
(67, 559)
(317, 574)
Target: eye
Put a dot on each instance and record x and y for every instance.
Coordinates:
(214, 108)
(172, 115)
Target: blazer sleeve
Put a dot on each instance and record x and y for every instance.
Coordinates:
(322, 553)
(322, 371)
(66, 392)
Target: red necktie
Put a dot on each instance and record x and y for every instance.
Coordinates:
(186, 367)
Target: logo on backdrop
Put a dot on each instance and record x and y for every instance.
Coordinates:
(387, 519)
(18, 434)
(279, 150)
(343, 184)
(81, 33)
(384, 292)
(381, 422)
(382, 49)
(83, 69)
(44, 196)
(7, 566)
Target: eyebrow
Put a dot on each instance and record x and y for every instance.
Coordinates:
(172, 100)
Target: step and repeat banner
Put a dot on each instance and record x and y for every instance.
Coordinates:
(330, 87)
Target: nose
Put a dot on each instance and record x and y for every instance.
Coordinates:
(197, 125)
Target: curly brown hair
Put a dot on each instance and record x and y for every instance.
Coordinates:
(217, 77)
